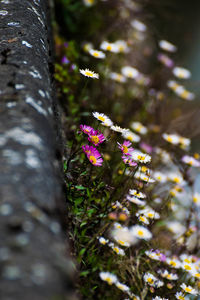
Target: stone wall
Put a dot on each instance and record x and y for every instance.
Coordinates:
(33, 249)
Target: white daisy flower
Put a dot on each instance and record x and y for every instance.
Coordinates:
(136, 200)
(129, 135)
(122, 287)
(106, 46)
(184, 142)
(176, 227)
(97, 54)
(130, 72)
(141, 232)
(159, 176)
(101, 117)
(142, 219)
(175, 177)
(139, 156)
(189, 267)
(138, 25)
(152, 280)
(186, 95)
(141, 176)
(188, 289)
(181, 73)
(137, 194)
(138, 127)
(173, 262)
(122, 46)
(123, 236)
(180, 296)
(87, 46)
(89, 73)
(116, 249)
(102, 240)
(167, 275)
(108, 277)
(117, 77)
(167, 46)
(190, 160)
(171, 138)
(118, 129)
(155, 255)
(196, 198)
(149, 213)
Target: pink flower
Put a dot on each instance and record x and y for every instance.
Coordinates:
(96, 137)
(93, 155)
(129, 161)
(86, 129)
(125, 148)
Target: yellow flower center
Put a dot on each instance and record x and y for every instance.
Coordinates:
(141, 157)
(94, 139)
(195, 199)
(125, 149)
(176, 179)
(142, 219)
(121, 242)
(116, 250)
(140, 233)
(185, 94)
(109, 48)
(92, 159)
(101, 118)
(96, 54)
(109, 280)
(187, 267)
(150, 280)
(150, 215)
(172, 263)
(169, 139)
(130, 74)
(187, 289)
(88, 73)
(130, 138)
(181, 297)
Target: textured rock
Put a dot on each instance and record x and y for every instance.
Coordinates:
(33, 249)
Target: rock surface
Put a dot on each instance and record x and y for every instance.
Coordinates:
(33, 249)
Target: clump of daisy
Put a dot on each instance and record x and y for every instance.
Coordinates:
(93, 155)
(108, 277)
(89, 73)
(176, 139)
(97, 53)
(180, 90)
